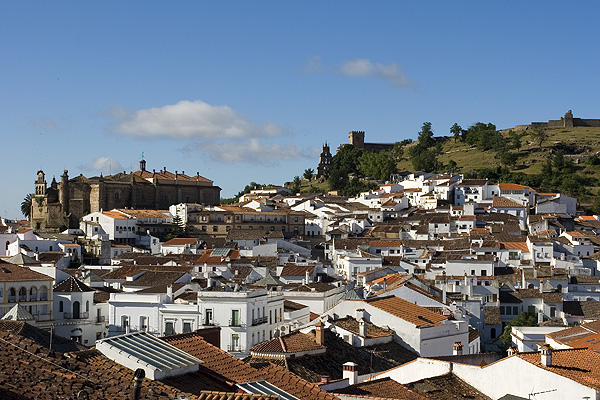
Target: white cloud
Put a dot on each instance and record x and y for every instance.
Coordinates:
(106, 165)
(365, 68)
(253, 151)
(191, 120)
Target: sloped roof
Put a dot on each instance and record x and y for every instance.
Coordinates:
(297, 270)
(579, 365)
(446, 387)
(385, 388)
(415, 314)
(22, 259)
(15, 273)
(71, 285)
(294, 342)
(18, 313)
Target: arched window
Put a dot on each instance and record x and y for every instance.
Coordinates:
(22, 294)
(43, 293)
(559, 288)
(33, 294)
(12, 295)
(61, 306)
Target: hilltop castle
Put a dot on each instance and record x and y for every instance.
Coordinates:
(357, 139)
(61, 205)
(564, 122)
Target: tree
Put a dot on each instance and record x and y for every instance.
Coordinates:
(508, 158)
(515, 140)
(539, 135)
(26, 206)
(178, 228)
(308, 174)
(456, 131)
(296, 183)
(525, 319)
(452, 166)
(424, 154)
(377, 165)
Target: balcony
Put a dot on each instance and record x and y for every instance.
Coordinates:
(81, 315)
(100, 319)
(235, 349)
(236, 323)
(259, 321)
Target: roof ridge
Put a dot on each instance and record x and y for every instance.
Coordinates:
(283, 346)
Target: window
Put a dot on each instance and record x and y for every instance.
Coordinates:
(235, 318)
(43, 293)
(61, 306)
(515, 310)
(33, 294)
(235, 342)
(483, 272)
(187, 327)
(169, 328)
(22, 294)
(472, 272)
(125, 322)
(552, 312)
(215, 228)
(208, 317)
(531, 310)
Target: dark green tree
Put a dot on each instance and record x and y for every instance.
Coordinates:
(515, 140)
(424, 154)
(308, 174)
(539, 135)
(377, 165)
(452, 166)
(456, 131)
(178, 229)
(26, 206)
(525, 319)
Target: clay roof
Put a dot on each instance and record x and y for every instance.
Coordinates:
(51, 256)
(352, 325)
(579, 365)
(516, 245)
(446, 387)
(295, 342)
(317, 286)
(503, 202)
(145, 213)
(289, 305)
(131, 270)
(180, 241)
(297, 270)
(408, 311)
(493, 316)
(385, 388)
(166, 175)
(511, 186)
(227, 367)
(155, 278)
(586, 309)
(386, 243)
(114, 214)
(16, 273)
(72, 285)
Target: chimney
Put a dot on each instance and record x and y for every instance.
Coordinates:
(362, 327)
(523, 280)
(534, 272)
(457, 349)
(512, 350)
(540, 317)
(350, 372)
(384, 285)
(444, 290)
(541, 286)
(169, 293)
(361, 314)
(546, 355)
(320, 333)
(307, 277)
(324, 379)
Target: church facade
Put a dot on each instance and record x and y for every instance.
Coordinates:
(62, 204)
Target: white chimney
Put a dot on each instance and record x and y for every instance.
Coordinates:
(540, 317)
(457, 349)
(350, 372)
(362, 327)
(307, 277)
(361, 314)
(511, 351)
(169, 293)
(523, 280)
(546, 355)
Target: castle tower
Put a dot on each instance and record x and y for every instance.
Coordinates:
(325, 162)
(569, 119)
(357, 139)
(63, 191)
(142, 163)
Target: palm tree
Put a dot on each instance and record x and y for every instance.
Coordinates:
(26, 206)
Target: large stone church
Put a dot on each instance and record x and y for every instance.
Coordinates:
(62, 204)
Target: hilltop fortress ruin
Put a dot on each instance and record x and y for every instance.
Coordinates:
(564, 122)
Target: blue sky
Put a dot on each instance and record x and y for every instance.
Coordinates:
(249, 91)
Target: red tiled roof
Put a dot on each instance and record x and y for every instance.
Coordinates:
(503, 202)
(232, 369)
(295, 342)
(420, 316)
(297, 270)
(385, 388)
(180, 241)
(580, 365)
(15, 273)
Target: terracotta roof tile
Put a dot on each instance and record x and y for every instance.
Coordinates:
(295, 342)
(385, 388)
(408, 311)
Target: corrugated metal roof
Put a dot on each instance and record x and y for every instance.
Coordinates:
(264, 387)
